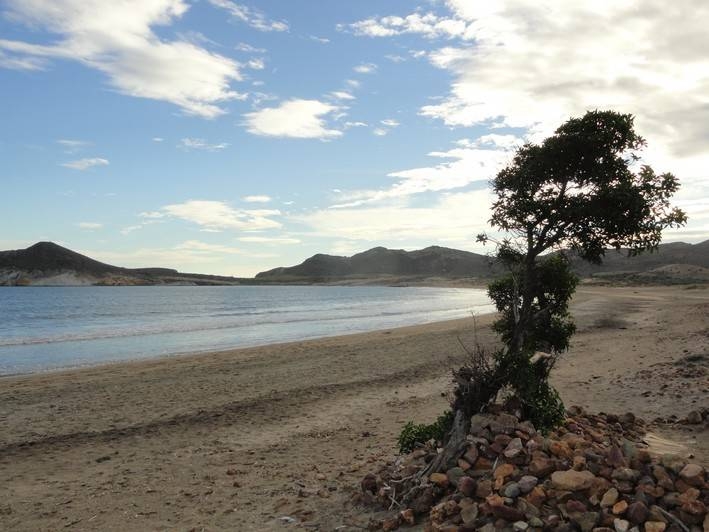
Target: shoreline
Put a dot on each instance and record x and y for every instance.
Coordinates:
(236, 439)
(196, 354)
(93, 338)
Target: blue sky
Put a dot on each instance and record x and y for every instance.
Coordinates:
(230, 137)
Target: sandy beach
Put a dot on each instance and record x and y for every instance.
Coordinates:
(238, 440)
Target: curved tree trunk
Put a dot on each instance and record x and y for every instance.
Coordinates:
(455, 446)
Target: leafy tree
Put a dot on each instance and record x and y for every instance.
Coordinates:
(580, 190)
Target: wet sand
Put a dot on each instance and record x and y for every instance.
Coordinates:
(236, 440)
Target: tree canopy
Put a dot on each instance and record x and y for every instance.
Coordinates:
(579, 189)
(582, 189)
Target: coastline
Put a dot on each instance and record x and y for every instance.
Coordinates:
(236, 439)
(225, 320)
(195, 356)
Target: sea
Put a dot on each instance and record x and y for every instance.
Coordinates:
(49, 328)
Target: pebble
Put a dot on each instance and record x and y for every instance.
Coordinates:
(655, 526)
(620, 507)
(527, 483)
(454, 475)
(692, 474)
(637, 513)
(621, 525)
(467, 486)
(512, 490)
(572, 480)
(439, 479)
(503, 471)
(469, 514)
(609, 498)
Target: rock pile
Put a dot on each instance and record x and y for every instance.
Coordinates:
(590, 475)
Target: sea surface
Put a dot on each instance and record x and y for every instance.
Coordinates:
(45, 328)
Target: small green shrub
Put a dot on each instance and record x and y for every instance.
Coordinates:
(417, 434)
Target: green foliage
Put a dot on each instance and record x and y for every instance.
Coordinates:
(541, 403)
(550, 326)
(577, 191)
(417, 434)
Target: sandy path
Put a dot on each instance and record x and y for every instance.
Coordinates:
(234, 440)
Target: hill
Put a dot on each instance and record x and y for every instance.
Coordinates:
(432, 261)
(49, 264)
(673, 262)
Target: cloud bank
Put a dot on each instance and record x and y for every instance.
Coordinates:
(118, 39)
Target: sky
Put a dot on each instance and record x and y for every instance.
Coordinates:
(233, 136)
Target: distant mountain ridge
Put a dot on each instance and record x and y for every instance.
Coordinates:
(431, 261)
(444, 262)
(46, 263)
(49, 264)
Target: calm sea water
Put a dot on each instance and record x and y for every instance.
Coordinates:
(48, 328)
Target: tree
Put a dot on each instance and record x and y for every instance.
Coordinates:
(579, 191)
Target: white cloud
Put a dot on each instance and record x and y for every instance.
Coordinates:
(355, 84)
(426, 24)
(72, 145)
(128, 230)
(467, 163)
(342, 95)
(257, 199)
(256, 64)
(85, 164)
(533, 65)
(117, 38)
(455, 217)
(365, 68)
(158, 139)
(204, 247)
(390, 122)
(218, 216)
(252, 17)
(294, 118)
(380, 131)
(244, 47)
(200, 144)
(355, 124)
(321, 40)
(90, 226)
(269, 240)
(188, 256)
(652, 65)
(14, 62)
(152, 215)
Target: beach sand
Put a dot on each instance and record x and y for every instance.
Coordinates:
(236, 440)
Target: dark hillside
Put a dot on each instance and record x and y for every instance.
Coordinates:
(48, 256)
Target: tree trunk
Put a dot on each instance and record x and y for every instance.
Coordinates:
(454, 447)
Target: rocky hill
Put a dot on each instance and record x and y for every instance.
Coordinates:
(671, 262)
(432, 261)
(49, 264)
